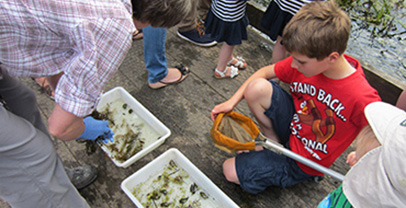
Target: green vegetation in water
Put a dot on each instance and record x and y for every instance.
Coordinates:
(377, 16)
(172, 188)
(382, 18)
(125, 145)
(131, 133)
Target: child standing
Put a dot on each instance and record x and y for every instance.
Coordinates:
(322, 114)
(227, 22)
(276, 16)
(378, 174)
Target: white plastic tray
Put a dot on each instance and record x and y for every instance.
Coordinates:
(144, 114)
(158, 164)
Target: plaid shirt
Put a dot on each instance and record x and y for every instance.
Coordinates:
(85, 39)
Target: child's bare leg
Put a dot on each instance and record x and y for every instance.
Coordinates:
(229, 170)
(279, 52)
(258, 96)
(226, 53)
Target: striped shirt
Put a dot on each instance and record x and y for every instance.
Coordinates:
(229, 10)
(291, 6)
(85, 39)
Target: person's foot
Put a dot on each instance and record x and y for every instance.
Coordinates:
(228, 72)
(45, 87)
(238, 62)
(137, 35)
(82, 176)
(174, 76)
(198, 36)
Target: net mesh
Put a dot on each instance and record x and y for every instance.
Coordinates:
(233, 131)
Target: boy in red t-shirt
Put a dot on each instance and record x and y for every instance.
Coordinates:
(322, 114)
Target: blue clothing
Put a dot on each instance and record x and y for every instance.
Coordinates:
(335, 199)
(256, 170)
(278, 14)
(282, 115)
(227, 22)
(154, 53)
(275, 20)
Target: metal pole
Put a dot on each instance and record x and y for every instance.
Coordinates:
(276, 147)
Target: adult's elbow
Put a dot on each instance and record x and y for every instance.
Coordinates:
(64, 125)
(58, 132)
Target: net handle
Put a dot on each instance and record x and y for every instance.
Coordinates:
(278, 148)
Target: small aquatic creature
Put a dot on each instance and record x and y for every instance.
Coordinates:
(154, 195)
(178, 179)
(204, 195)
(172, 164)
(166, 204)
(163, 191)
(193, 188)
(183, 200)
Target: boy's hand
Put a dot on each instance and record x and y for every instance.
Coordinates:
(352, 158)
(221, 108)
(95, 128)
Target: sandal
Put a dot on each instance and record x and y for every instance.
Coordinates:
(45, 87)
(184, 72)
(222, 74)
(239, 62)
(137, 35)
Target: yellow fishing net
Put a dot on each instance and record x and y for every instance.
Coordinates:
(233, 131)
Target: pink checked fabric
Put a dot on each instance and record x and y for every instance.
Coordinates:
(85, 39)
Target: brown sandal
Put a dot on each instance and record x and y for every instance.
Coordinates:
(137, 35)
(184, 72)
(45, 87)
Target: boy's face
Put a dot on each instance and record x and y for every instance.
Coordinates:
(308, 66)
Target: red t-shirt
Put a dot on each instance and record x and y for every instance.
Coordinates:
(329, 112)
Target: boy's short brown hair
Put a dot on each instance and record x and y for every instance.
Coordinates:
(161, 13)
(317, 30)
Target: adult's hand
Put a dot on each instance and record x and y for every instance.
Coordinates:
(66, 126)
(95, 128)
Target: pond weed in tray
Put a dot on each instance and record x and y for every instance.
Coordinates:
(171, 180)
(136, 131)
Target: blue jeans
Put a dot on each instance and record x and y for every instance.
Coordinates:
(154, 53)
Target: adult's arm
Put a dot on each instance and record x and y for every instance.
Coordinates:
(64, 125)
